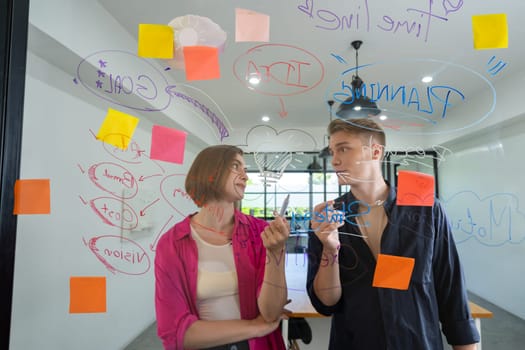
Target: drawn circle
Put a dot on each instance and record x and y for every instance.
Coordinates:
(244, 58)
(337, 82)
(110, 257)
(108, 186)
(120, 154)
(86, 67)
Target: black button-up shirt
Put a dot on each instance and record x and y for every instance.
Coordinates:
(370, 318)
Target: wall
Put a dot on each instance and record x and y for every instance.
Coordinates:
(83, 236)
(62, 114)
(482, 187)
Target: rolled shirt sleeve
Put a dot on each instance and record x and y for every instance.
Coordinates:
(315, 250)
(172, 304)
(454, 312)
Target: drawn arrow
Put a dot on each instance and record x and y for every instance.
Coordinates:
(339, 58)
(142, 178)
(92, 133)
(283, 113)
(83, 200)
(81, 169)
(143, 211)
(153, 246)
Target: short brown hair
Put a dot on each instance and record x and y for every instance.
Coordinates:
(363, 127)
(208, 173)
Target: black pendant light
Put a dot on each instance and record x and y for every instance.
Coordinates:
(314, 165)
(325, 152)
(357, 105)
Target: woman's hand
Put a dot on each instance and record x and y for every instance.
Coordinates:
(276, 234)
(263, 328)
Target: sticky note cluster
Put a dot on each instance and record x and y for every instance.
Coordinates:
(200, 62)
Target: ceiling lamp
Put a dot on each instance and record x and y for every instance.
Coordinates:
(314, 165)
(357, 105)
(325, 152)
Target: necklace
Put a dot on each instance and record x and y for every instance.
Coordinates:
(379, 202)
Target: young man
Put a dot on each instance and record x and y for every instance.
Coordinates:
(343, 257)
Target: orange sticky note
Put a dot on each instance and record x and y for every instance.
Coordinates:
(201, 62)
(32, 196)
(490, 31)
(167, 144)
(155, 41)
(87, 295)
(117, 129)
(415, 188)
(393, 272)
(251, 26)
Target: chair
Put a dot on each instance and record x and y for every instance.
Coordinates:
(298, 328)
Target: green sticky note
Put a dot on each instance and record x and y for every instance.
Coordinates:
(155, 41)
(490, 31)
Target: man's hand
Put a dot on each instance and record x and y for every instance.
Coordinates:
(325, 222)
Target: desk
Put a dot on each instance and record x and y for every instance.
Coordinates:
(296, 268)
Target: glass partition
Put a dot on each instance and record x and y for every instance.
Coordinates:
(114, 114)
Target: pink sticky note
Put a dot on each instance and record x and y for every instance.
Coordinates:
(251, 26)
(167, 144)
(414, 188)
(201, 62)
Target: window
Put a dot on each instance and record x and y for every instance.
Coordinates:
(310, 180)
(304, 179)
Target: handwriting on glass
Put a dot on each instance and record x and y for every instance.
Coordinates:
(417, 22)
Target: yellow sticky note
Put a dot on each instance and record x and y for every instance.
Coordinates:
(490, 31)
(117, 129)
(393, 271)
(87, 295)
(155, 41)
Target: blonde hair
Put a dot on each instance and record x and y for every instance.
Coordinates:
(364, 128)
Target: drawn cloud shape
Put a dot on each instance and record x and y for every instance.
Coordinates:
(493, 220)
(263, 138)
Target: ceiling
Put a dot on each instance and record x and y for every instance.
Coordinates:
(311, 58)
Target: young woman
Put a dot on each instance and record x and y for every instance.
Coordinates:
(220, 281)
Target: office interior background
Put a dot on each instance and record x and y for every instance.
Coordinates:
(68, 64)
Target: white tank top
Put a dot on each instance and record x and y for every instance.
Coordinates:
(217, 287)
